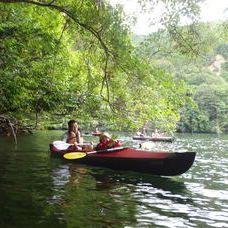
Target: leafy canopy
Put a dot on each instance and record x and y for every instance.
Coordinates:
(76, 57)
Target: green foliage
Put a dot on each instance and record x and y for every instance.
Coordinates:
(222, 49)
(28, 51)
(76, 59)
(207, 86)
(194, 120)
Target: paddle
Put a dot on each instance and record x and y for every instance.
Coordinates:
(77, 155)
(63, 145)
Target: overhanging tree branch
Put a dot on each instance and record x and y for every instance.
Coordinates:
(75, 19)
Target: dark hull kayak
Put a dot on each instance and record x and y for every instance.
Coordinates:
(158, 163)
(154, 139)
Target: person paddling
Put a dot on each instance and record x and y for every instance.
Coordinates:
(155, 133)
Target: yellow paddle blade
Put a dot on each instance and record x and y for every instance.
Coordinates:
(74, 155)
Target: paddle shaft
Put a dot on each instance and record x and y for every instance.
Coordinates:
(84, 144)
(77, 155)
(106, 150)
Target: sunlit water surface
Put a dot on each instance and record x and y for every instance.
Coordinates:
(39, 191)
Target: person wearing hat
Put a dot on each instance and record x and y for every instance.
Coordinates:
(106, 142)
(103, 141)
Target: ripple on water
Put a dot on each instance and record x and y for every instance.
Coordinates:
(106, 198)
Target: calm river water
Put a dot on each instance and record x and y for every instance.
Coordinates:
(39, 191)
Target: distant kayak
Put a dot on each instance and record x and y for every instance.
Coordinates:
(154, 139)
(156, 163)
(97, 133)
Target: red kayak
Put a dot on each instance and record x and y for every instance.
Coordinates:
(155, 139)
(97, 133)
(158, 163)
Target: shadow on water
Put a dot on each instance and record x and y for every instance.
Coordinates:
(107, 180)
(119, 197)
(110, 177)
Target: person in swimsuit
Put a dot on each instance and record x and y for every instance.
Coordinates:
(74, 137)
(73, 134)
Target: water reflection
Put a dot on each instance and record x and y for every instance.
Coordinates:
(36, 190)
(139, 179)
(142, 200)
(131, 198)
